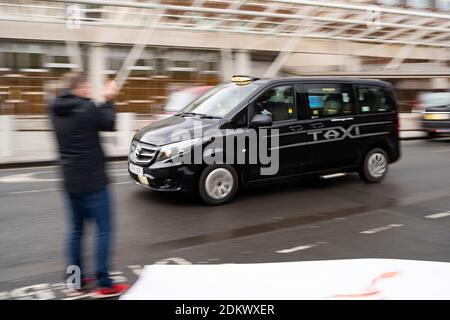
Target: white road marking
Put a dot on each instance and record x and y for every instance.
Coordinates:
(117, 276)
(46, 291)
(135, 266)
(40, 291)
(383, 228)
(440, 151)
(438, 215)
(26, 178)
(300, 248)
(29, 168)
(32, 176)
(136, 269)
(110, 163)
(124, 169)
(122, 174)
(50, 190)
(29, 191)
(175, 260)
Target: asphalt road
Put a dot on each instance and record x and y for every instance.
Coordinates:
(306, 220)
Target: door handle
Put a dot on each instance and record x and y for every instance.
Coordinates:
(297, 127)
(317, 125)
(342, 119)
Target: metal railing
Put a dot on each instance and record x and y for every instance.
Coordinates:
(328, 20)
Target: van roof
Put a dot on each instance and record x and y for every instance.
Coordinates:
(327, 79)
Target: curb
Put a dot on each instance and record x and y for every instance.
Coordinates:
(46, 163)
(414, 138)
(420, 137)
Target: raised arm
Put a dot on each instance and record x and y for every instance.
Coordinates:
(106, 111)
(106, 117)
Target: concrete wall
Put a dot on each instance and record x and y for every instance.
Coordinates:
(40, 145)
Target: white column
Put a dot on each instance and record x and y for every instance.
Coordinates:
(74, 51)
(226, 59)
(125, 129)
(351, 64)
(97, 70)
(6, 136)
(439, 83)
(243, 64)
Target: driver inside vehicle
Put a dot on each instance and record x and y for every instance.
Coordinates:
(278, 103)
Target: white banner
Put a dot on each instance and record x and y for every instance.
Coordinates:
(328, 279)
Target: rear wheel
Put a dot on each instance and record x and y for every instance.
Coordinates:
(218, 184)
(375, 166)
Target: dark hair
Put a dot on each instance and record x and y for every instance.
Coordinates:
(75, 80)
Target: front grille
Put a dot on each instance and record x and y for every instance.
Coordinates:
(142, 153)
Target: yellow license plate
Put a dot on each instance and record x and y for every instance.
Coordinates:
(436, 116)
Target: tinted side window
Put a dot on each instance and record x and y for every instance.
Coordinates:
(330, 100)
(241, 120)
(278, 102)
(373, 99)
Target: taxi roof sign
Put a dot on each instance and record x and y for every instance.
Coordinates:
(241, 80)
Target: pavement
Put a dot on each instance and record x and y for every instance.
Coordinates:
(404, 217)
(33, 143)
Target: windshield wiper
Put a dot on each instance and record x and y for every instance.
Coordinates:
(190, 114)
(201, 115)
(205, 116)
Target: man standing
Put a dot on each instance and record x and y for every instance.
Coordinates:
(77, 122)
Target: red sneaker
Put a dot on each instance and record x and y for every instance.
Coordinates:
(114, 291)
(86, 286)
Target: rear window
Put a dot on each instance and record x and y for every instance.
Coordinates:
(330, 100)
(434, 99)
(372, 99)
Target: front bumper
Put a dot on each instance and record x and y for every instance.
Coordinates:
(437, 126)
(179, 177)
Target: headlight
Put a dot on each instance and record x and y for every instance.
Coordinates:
(437, 116)
(132, 147)
(174, 149)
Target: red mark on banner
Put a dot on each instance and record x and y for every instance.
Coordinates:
(371, 290)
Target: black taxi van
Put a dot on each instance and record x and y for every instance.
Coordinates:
(254, 131)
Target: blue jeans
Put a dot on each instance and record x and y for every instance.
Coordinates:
(91, 205)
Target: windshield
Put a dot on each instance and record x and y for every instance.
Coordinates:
(179, 100)
(220, 100)
(435, 99)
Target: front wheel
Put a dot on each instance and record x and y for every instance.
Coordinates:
(375, 166)
(218, 184)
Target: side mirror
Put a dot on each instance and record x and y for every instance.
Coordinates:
(260, 120)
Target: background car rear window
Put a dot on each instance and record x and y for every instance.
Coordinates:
(329, 100)
(373, 99)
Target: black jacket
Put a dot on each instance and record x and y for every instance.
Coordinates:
(77, 122)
